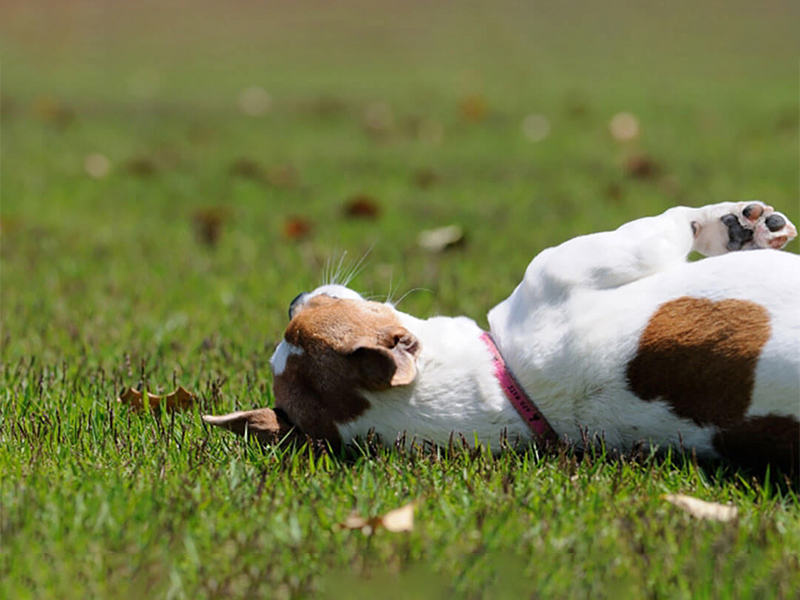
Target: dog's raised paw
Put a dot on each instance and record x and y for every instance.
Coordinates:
(754, 225)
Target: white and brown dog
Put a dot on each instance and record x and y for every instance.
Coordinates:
(613, 334)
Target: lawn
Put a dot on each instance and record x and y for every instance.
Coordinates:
(174, 173)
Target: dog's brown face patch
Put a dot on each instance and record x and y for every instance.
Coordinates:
(700, 356)
(346, 346)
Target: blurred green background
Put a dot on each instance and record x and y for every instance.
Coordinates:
(173, 173)
(126, 127)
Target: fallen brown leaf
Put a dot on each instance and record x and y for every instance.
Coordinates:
(8, 225)
(700, 509)
(208, 224)
(425, 178)
(50, 110)
(361, 206)
(641, 166)
(614, 192)
(325, 106)
(247, 168)
(473, 108)
(180, 399)
(296, 228)
(397, 520)
(142, 166)
(576, 107)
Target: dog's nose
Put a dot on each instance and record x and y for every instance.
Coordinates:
(294, 304)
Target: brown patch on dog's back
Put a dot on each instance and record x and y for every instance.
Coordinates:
(700, 357)
(760, 440)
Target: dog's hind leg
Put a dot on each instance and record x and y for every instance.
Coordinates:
(646, 246)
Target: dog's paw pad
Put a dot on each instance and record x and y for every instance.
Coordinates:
(755, 225)
(739, 235)
(775, 232)
(752, 212)
(775, 222)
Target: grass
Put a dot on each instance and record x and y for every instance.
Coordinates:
(104, 283)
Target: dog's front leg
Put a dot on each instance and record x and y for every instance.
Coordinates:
(652, 244)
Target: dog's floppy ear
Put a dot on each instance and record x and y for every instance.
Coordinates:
(265, 424)
(389, 361)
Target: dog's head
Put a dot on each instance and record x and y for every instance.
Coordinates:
(336, 347)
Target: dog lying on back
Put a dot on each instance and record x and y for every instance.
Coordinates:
(613, 334)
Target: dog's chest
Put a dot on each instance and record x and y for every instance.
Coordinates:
(573, 349)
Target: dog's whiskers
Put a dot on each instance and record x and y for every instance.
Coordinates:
(339, 273)
(403, 297)
(357, 267)
(333, 268)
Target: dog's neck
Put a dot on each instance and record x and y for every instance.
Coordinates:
(455, 390)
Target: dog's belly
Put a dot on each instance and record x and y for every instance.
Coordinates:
(674, 358)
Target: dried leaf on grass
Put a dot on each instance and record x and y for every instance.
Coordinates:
(439, 240)
(710, 511)
(296, 228)
(426, 178)
(395, 521)
(180, 399)
(208, 224)
(247, 169)
(53, 111)
(641, 166)
(8, 225)
(142, 166)
(362, 206)
(473, 108)
(325, 106)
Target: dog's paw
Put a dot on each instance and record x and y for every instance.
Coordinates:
(752, 225)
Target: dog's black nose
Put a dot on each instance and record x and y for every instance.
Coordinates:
(295, 303)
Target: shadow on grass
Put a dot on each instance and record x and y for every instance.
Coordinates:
(589, 456)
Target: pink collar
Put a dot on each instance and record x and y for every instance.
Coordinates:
(514, 392)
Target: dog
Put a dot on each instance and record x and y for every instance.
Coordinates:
(612, 334)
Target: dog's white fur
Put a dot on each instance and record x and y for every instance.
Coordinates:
(571, 327)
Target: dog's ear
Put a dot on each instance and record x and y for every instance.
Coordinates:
(390, 360)
(265, 424)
